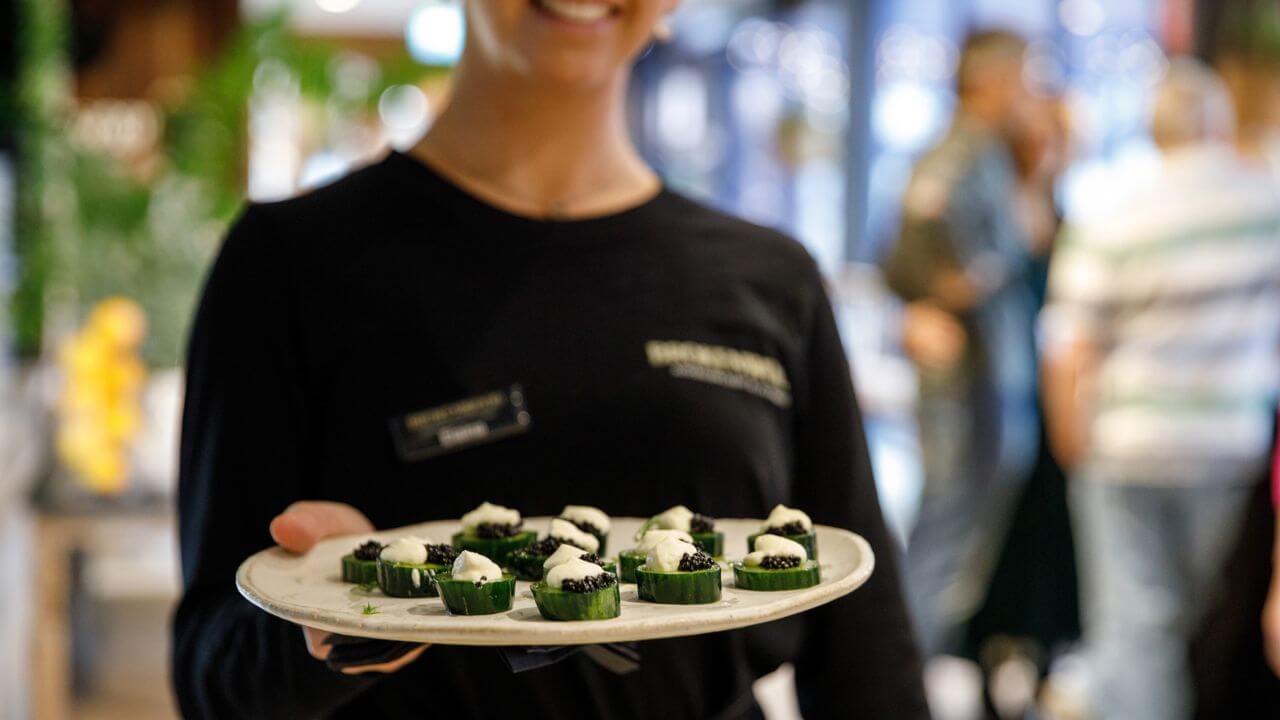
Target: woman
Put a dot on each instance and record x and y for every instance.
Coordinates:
(522, 242)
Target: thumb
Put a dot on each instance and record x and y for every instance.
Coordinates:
(305, 523)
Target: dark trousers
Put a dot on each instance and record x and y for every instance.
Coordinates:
(1231, 674)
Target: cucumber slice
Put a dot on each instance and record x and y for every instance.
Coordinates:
(679, 588)
(527, 567)
(398, 579)
(755, 578)
(808, 540)
(556, 604)
(628, 561)
(530, 567)
(712, 543)
(496, 549)
(362, 572)
(464, 597)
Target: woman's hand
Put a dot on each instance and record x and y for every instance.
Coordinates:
(298, 529)
(931, 336)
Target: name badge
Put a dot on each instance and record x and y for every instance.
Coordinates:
(465, 423)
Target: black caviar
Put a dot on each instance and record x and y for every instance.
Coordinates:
(779, 562)
(589, 584)
(696, 561)
(795, 527)
(593, 558)
(441, 554)
(368, 551)
(542, 548)
(702, 524)
(496, 530)
(585, 526)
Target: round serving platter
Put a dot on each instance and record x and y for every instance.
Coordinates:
(307, 589)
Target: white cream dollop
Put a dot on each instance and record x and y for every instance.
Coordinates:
(653, 537)
(774, 546)
(490, 514)
(409, 549)
(586, 514)
(676, 518)
(565, 531)
(475, 567)
(576, 569)
(783, 515)
(563, 554)
(666, 555)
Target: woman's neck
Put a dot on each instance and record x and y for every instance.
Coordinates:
(538, 150)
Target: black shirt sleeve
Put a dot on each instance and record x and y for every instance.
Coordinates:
(241, 462)
(859, 657)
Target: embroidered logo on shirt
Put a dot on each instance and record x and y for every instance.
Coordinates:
(475, 420)
(728, 367)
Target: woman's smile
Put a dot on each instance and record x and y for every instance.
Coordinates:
(577, 12)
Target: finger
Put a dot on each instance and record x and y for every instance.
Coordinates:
(388, 667)
(316, 644)
(305, 523)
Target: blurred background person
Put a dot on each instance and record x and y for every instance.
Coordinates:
(960, 264)
(1247, 57)
(1232, 677)
(1029, 618)
(1041, 141)
(1162, 335)
(1236, 668)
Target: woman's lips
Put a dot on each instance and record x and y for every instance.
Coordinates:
(584, 12)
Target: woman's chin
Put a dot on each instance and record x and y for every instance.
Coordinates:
(569, 68)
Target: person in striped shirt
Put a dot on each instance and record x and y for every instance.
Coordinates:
(1161, 342)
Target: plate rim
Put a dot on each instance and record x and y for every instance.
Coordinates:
(586, 633)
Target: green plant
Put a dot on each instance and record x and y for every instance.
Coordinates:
(88, 228)
(1250, 29)
(38, 97)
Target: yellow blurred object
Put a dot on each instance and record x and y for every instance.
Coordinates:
(83, 354)
(81, 398)
(124, 376)
(100, 407)
(105, 471)
(123, 422)
(119, 321)
(77, 440)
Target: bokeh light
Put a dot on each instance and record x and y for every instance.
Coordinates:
(436, 32)
(405, 113)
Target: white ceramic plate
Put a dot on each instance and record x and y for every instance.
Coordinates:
(308, 590)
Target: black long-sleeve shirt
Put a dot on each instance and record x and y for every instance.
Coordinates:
(668, 354)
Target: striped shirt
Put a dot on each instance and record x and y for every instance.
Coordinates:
(1180, 294)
